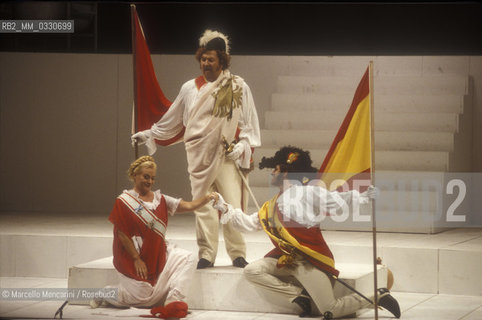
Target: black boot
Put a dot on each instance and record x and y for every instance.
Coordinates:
(240, 262)
(305, 305)
(204, 263)
(327, 315)
(387, 301)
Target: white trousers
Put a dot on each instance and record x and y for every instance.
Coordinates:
(172, 284)
(230, 185)
(290, 281)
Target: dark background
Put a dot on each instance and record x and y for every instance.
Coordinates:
(268, 28)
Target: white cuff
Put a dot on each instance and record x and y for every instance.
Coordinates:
(226, 217)
(244, 161)
(151, 146)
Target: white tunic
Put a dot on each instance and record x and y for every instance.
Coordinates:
(171, 203)
(176, 118)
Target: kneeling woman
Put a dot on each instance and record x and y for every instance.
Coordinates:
(152, 274)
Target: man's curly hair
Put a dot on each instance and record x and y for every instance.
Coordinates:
(295, 161)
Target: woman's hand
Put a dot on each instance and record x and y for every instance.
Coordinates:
(141, 268)
(214, 196)
(185, 206)
(220, 205)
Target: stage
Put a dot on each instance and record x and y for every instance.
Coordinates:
(436, 275)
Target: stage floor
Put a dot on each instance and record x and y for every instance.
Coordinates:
(437, 276)
(418, 306)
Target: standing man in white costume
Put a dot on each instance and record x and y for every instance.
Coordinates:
(215, 107)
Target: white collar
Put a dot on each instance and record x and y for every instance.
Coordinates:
(151, 205)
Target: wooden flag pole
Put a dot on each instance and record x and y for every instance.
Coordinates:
(372, 177)
(134, 71)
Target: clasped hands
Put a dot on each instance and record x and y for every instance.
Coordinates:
(219, 203)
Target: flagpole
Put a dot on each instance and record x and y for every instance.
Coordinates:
(372, 177)
(134, 71)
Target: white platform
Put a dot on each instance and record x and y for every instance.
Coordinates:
(47, 246)
(414, 306)
(225, 288)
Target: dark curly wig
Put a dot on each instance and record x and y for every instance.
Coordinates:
(295, 161)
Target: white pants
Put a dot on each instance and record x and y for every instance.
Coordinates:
(171, 285)
(290, 281)
(230, 185)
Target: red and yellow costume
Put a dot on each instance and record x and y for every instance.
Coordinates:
(300, 252)
(288, 235)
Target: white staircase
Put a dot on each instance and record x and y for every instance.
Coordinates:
(422, 125)
(224, 287)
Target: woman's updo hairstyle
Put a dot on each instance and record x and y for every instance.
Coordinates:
(137, 165)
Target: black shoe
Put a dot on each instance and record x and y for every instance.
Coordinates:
(305, 306)
(204, 263)
(387, 301)
(327, 315)
(240, 262)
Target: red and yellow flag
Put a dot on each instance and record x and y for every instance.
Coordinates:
(150, 103)
(349, 157)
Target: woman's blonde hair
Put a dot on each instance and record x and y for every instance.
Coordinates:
(137, 165)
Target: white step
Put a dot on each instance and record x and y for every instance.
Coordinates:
(383, 103)
(384, 121)
(305, 139)
(384, 140)
(384, 160)
(412, 160)
(385, 85)
(355, 66)
(225, 288)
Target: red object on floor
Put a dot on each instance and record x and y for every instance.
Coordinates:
(176, 309)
